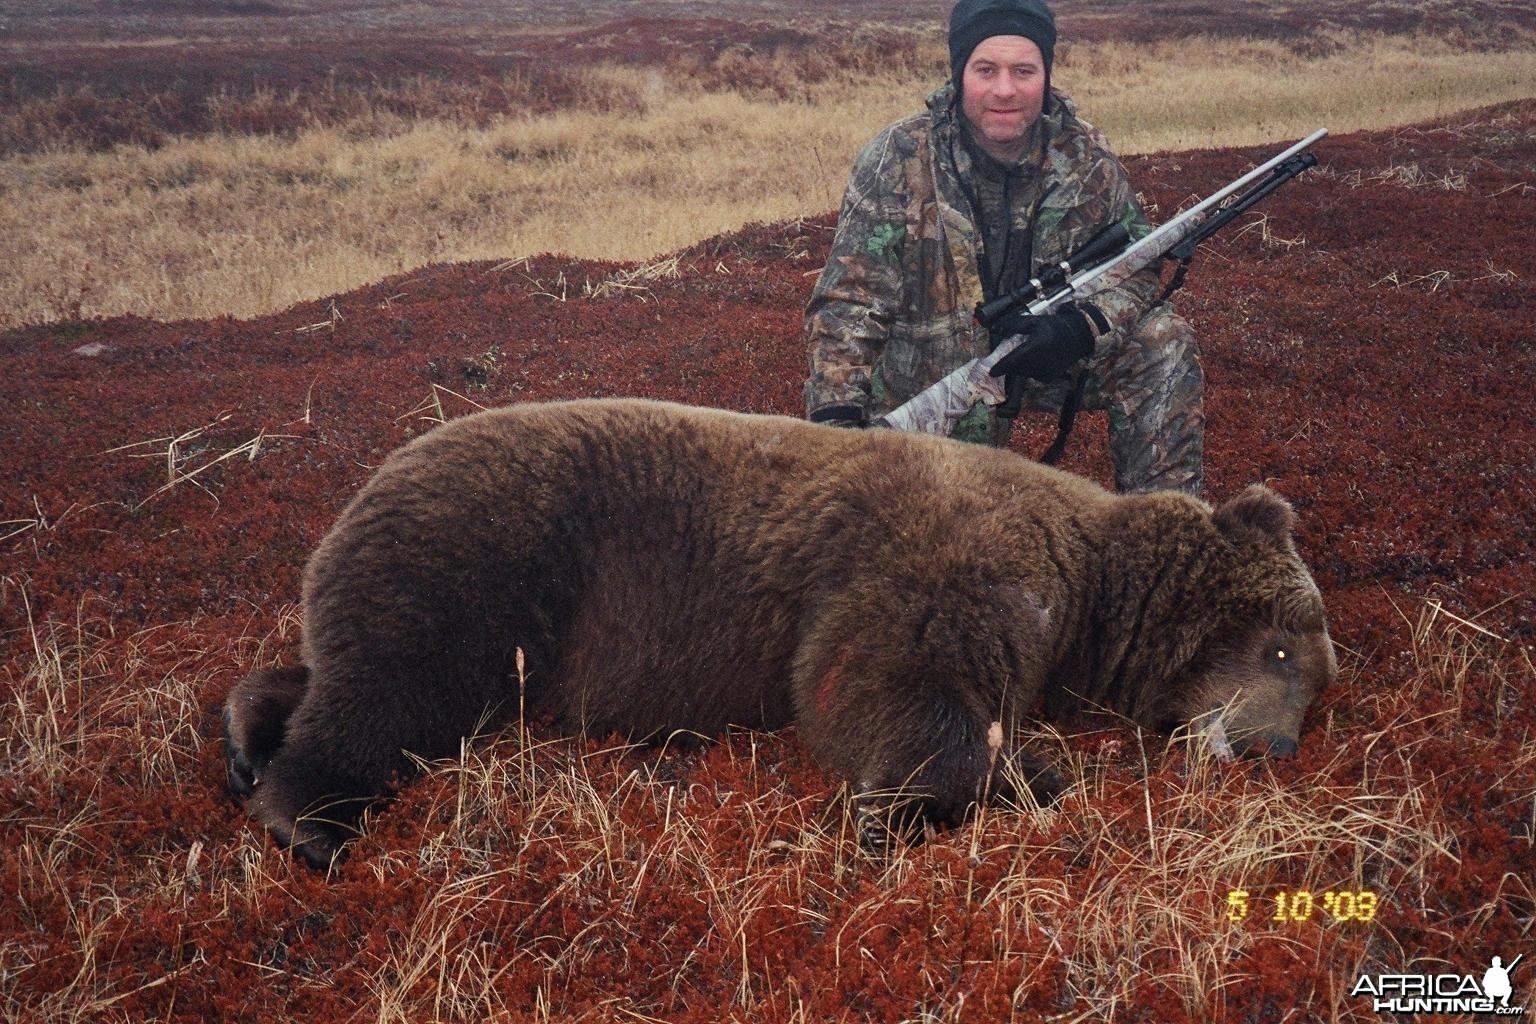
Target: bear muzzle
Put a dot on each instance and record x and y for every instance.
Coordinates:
(1228, 744)
(1266, 746)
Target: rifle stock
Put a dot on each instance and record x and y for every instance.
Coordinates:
(938, 408)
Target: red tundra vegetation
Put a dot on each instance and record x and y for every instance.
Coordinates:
(1370, 344)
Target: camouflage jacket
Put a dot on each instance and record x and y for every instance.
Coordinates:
(893, 309)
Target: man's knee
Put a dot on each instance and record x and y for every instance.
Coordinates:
(1166, 340)
(1157, 419)
(1157, 361)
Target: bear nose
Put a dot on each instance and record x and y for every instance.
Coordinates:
(1281, 747)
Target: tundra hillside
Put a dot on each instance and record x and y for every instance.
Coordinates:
(1369, 349)
(253, 175)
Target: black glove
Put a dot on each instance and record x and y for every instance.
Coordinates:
(840, 416)
(846, 416)
(1052, 345)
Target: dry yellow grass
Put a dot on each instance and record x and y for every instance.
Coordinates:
(1211, 92)
(247, 224)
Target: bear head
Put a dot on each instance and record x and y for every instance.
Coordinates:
(1265, 655)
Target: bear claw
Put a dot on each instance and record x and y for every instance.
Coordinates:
(241, 774)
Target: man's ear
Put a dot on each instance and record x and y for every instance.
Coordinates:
(1258, 510)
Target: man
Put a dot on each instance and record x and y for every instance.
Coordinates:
(966, 201)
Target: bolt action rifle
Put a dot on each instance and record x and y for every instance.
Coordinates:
(1109, 258)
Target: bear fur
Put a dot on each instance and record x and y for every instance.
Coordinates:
(664, 568)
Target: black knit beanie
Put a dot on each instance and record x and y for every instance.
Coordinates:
(974, 20)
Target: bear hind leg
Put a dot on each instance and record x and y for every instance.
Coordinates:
(255, 719)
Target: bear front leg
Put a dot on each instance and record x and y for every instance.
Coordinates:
(344, 747)
(916, 750)
(899, 681)
(937, 768)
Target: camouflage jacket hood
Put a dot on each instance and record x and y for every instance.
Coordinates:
(892, 310)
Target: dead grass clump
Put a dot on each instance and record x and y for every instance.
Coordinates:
(47, 720)
(85, 693)
(179, 451)
(104, 735)
(1475, 673)
(555, 861)
(1409, 175)
(1216, 848)
(633, 280)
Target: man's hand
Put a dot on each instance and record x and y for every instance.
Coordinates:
(846, 416)
(1052, 344)
(840, 416)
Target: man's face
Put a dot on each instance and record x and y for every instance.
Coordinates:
(1003, 91)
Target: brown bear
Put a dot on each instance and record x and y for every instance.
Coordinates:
(667, 568)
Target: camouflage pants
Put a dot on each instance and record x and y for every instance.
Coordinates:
(1150, 382)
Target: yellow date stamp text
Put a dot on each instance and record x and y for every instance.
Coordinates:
(1301, 905)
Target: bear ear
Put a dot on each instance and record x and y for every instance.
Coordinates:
(1258, 508)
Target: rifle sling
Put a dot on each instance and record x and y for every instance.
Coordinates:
(1068, 418)
(1177, 281)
